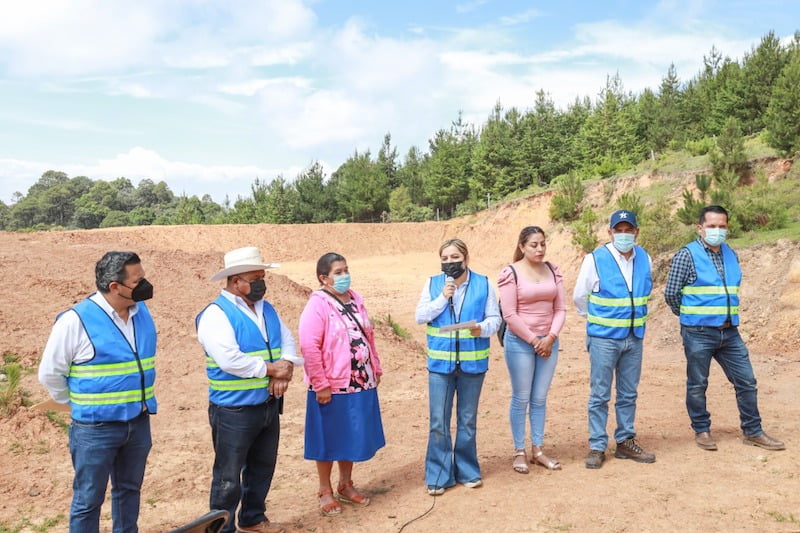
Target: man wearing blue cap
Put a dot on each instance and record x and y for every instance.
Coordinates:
(703, 290)
(612, 290)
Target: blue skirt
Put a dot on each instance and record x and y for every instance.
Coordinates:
(349, 428)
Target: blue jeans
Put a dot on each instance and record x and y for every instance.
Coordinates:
(531, 376)
(620, 359)
(108, 449)
(701, 344)
(245, 452)
(444, 464)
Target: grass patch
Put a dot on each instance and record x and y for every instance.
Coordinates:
(398, 330)
(10, 387)
(780, 517)
(25, 524)
(58, 420)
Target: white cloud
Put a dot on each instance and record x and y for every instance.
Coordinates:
(520, 18)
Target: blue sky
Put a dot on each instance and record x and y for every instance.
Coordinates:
(209, 95)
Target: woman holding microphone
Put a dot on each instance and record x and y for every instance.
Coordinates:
(457, 362)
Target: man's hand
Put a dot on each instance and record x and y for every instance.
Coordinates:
(277, 387)
(280, 369)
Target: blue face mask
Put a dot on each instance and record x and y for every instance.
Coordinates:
(715, 236)
(624, 241)
(341, 283)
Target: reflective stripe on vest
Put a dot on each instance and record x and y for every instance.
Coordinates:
(227, 389)
(615, 311)
(117, 384)
(449, 348)
(710, 300)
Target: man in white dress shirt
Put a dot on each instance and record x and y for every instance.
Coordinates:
(250, 357)
(100, 359)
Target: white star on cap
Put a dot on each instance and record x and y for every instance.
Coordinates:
(623, 215)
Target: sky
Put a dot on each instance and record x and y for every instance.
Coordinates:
(210, 95)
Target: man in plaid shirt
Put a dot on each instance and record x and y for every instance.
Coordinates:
(703, 290)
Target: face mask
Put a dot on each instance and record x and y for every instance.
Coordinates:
(454, 270)
(341, 283)
(715, 236)
(143, 291)
(624, 241)
(258, 289)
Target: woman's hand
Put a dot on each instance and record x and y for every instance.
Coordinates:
(377, 379)
(324, 396)
(449, 290)
(544, 345)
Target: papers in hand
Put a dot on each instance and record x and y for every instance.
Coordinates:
(461, 325)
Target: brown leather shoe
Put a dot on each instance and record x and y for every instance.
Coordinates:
(762, 440)
(263, 527)
(704, 440)
(630, 449)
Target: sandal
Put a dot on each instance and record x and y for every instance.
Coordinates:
(541, 459)
(520, 468)
(332, 508)
(355, 497)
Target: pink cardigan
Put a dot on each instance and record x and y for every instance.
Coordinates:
(325, 343)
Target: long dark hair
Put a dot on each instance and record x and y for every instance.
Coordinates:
(324, 263)
(524, 235)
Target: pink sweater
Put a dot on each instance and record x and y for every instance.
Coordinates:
(532, 309)
(325, 343)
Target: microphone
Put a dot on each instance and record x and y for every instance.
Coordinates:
(449, 280)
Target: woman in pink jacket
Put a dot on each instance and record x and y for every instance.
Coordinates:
(342, 370)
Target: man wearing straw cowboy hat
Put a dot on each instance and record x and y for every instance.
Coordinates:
(250, 356)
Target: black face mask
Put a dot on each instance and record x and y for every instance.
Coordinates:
(258, 289)
(143, 291)
(453, 270)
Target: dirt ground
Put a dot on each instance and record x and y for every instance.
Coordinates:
(738, 488)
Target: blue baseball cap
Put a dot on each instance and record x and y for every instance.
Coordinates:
(623, 216)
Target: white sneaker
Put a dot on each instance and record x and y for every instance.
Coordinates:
(435, 491)
(474, 484)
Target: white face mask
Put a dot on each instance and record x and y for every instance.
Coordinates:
(624, 241)
(715, 236)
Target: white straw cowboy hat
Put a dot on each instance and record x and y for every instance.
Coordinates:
(242, 260)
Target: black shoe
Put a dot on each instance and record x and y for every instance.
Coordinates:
(595, 459)
(630, 449)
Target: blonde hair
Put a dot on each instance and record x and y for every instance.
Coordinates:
(458, 243)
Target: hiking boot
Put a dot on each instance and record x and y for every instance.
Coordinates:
(263, 527)
(595, 459)
(630, 449)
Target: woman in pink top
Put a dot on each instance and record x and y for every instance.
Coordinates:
(532, 297)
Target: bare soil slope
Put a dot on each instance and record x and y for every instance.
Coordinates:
(736, 488)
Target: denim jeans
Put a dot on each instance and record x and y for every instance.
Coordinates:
(701, 344)
(610, 359)
(108, 449)
(246, 449)
(444, 464)
(531, 376)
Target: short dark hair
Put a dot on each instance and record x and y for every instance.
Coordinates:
(712, 209)
(524, 235)
(324, 263)
(111, 267)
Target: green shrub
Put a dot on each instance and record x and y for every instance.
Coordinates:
(631, 201)
(566, 202)
(700, 146)
(585, 234)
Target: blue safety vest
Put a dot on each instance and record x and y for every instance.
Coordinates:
(614, 312)
(451, 348)
(117, 384)
(227, 389)
(710, 300)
